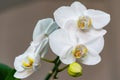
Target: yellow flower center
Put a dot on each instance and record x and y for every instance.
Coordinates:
(79, 51)
(84, 22)
(28, 63)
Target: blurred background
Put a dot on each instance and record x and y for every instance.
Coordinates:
(19, 17)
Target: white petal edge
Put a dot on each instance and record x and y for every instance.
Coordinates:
(18, 62)
(91, 59)
(40, 52)
(68, 58)
(42, 26)
(60, 42)
(86, 37)
(44, 47)
(78, 7)
(96, 44)
(23, 74)
(99, 18)
(63, 14)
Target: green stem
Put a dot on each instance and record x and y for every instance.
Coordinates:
(56, 72)
(56, 65)
(59, 70)
(50, 61)
(63, 68)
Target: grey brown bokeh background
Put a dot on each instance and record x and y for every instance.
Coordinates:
(17, 21)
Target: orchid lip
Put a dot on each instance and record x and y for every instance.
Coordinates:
(28, 63)
(79, 51)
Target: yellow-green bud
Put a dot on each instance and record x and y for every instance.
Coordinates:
(75, 70)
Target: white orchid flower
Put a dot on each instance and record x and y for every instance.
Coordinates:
(81, 17)
(29, 61)
(82, 46)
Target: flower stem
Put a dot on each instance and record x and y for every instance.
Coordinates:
(63, 68)
(50, 61)
(56, 71)
(57, 62)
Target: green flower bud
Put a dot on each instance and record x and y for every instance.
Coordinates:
(75, 70)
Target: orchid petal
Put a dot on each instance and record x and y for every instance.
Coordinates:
(40, 52)
(44, 47)
(18, 63)
(23, 74)
(91, 59)
(63, 14)
(18, 60)
(60, 42)
(71, 25)
(52, 28)
(78, 7)
(99, 18)
(96, 44)
(42, 27)
(68, 58)
(89, 35)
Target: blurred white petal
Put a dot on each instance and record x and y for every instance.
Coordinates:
(78, 7)
(23, 74)
(59, 42)
(99, 18)
(17, 63)
(63, 14)
(91, 59)
(68, 57)
(96, 44)
(89, 36)
(42, 26)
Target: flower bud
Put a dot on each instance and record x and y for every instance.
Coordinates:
(75, 70)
